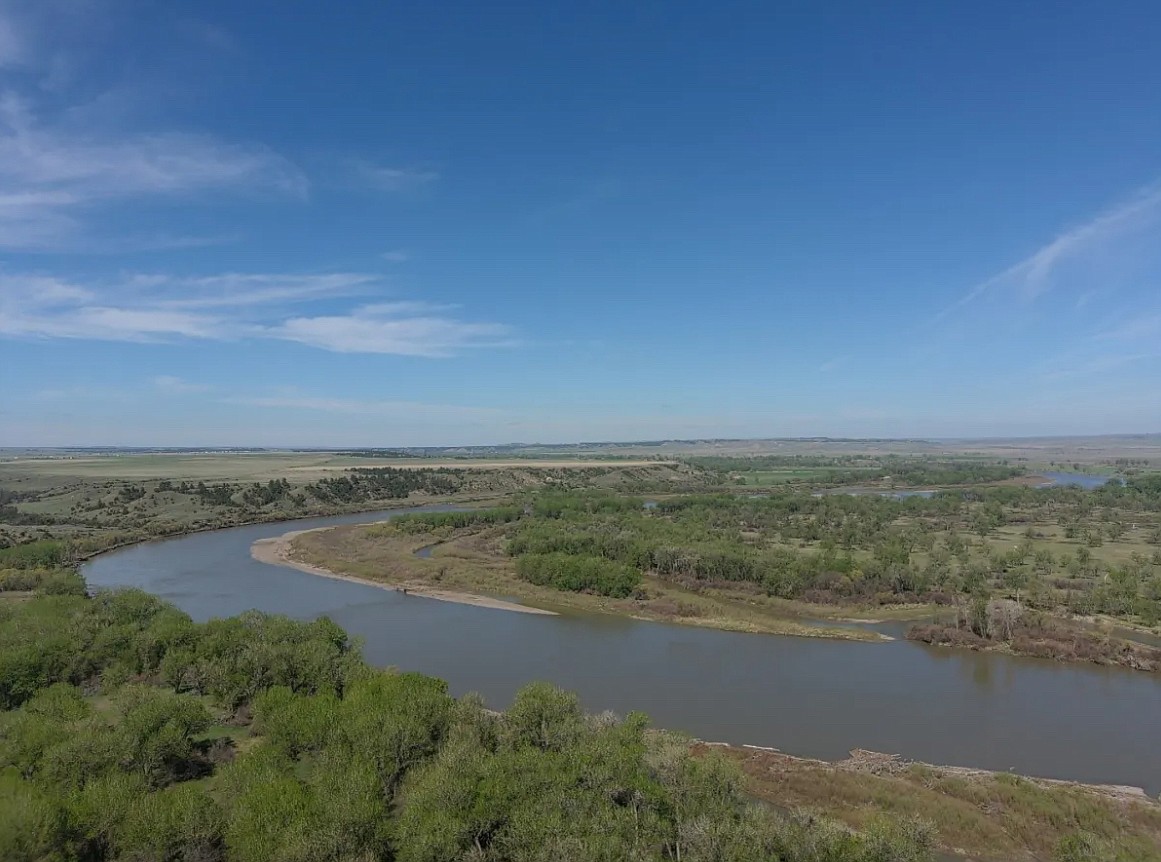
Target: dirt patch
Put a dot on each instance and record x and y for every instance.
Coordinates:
(278, 551)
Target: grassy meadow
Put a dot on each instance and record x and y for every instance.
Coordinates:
(977, 815)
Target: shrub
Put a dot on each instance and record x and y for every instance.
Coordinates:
(579, 574)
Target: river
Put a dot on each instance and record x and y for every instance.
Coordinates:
(1086, 481)
(805, 696)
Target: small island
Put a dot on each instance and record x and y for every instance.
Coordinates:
(468, 566)
(1059, 573)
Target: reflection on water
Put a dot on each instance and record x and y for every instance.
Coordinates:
(807, 696)
(982, 675)
(1082, 480)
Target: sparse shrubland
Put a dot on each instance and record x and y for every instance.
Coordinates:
(42, 500)
(951, 555)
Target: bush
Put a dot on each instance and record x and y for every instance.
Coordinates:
(41, 554)
(579, 574)
(427, 522)
(61, 582)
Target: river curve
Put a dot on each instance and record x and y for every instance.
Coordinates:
(806, 696)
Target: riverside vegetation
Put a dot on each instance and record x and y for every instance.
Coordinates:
(96, 503)
(132, 733)
(129, 732)
(988, 562)
(1028, 570)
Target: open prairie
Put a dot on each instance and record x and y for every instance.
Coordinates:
(262, 466)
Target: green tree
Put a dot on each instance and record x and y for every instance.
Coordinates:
(181, 822)
(33, 825)
(157, 729)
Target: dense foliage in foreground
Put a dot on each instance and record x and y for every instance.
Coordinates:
(133, 733)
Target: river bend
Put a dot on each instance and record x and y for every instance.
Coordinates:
(805, 696)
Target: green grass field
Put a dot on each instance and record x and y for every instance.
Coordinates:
(1051, 538)
(768, 478)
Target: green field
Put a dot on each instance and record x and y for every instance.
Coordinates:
(767, 478)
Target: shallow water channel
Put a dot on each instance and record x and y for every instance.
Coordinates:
(805, 696)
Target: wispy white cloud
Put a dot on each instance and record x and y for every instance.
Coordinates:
(396, 256)
(1038, 273)
(1143, 326)
(42, 158)
(44, 307)
(52, 178)
(35, 35)
(832, 364)
(580, 200)
(151, 308)
(391, 179)
(11, 47)
(405, 307)
(177, 386)
(233, 290)
(388, 329)
(1097, 364)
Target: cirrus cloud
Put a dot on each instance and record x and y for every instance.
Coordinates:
(390, 179)
(391, 329)
(157, 308)
(1112, 235)
(52, 178)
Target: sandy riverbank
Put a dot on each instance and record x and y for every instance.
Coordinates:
(277, 551)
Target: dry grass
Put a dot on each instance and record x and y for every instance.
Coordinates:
(993, 816)
(262, 466)
(475, 563)
(479, 464)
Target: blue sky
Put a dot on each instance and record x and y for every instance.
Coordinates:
(408, 224)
